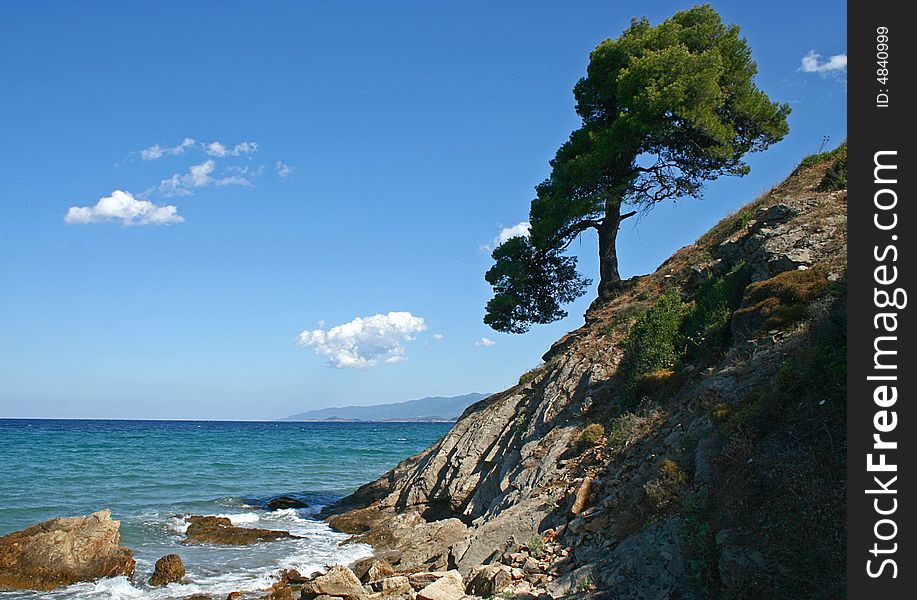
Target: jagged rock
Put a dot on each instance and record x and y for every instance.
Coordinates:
(399, 584)
(489, 580)
(509, 468)
(420, 580)
(282, 502)
(448, 587)
(220, 530)
(292, 576)
(63, 551)
(572, 582)
(169, 569)
(337, 581)
(378, 569)
(283, 593)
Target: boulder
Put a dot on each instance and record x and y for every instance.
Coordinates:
(63, 551)
(337, 581)
(220, 530)
(281, 502)
(169, 569)
(398, 584)
(489, 580)
(422, 579)
(378, 569)
(448, 587)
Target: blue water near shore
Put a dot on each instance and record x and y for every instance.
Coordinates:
(151, 472)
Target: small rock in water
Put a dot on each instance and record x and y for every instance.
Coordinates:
(220, 530)
(169, 569)
(281, 502)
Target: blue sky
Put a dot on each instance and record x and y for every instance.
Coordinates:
(367, 152)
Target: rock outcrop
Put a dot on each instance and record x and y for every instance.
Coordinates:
(168, 569)
(338, 581)
(220, 530)
(64, 551)
(282, 502)
(719, 385)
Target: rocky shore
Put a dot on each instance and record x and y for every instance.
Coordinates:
(658, 451)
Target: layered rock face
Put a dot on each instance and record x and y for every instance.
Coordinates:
(683, 486)
(63, 551)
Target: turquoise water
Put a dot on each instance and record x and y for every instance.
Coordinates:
(152, 472)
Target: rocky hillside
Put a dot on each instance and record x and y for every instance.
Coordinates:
(687, 442)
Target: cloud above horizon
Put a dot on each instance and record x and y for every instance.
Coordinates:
(219, 150)
(812, 63)
(365, 341)
(521, 229)
(156, 151)
(198, 176)
(283, 170)
(123, 206)
(485, 342)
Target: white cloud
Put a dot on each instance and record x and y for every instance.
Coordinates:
(438, 337)
(125, 207)
(812, 63)
(219, 150)
(198, 176)
(156, 151)
(365, 341)
(283, 170)
(522, 229)
(485, 342)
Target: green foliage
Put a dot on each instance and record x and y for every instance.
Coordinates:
(836, 176)
(838, 154)
(586, 584)
(651, 345)
(664, 109)
(530, 375)
(529, 286)
(591, 434)
(536, 546)
(706, 327)
(624, 430)
(665, 490)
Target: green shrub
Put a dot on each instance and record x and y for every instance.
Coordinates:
(706, 331)
(625, 430)
(651, 345)
(836, 176)
(536, 546)
(530, 375)
(591, 434)
(665, 490)
(814, 159)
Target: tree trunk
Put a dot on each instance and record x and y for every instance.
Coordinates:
(608, 254)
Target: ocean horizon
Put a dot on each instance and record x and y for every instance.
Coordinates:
(153, 473)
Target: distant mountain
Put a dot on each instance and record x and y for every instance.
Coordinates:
(435, 408)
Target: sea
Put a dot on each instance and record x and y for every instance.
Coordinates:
(152, 474)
